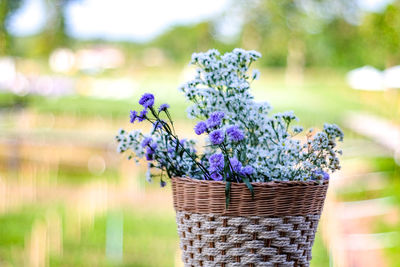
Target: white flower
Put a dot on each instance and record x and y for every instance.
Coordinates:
(256, 74)
(148, 176)
(221, 83)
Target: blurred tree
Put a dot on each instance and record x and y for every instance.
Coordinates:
(7, 9)
(179, 43)
(381, 34)
(54, 34)
(339, 45)
(282, 29)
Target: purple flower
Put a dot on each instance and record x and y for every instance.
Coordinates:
(150, 150)
(247, 170)
(200, 128)
(133, 116)
(217, 137)
(215, 119)
(236, 164)
(146, 141)
(216, 176)
(321, 174)
(163, 107)
(163, 183)
(158, 125)
(216, 162)
(234, 133)
(149, 156)
(171, 151)
(147, 100)
(154, 146)
(142, 115)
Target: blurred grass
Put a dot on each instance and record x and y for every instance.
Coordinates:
(392, 170)
(80, 175)
(150, 238)
(389, 175)
(13, 231)
(321, 92)
(320, 255)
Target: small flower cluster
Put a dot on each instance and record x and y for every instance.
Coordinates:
(244, 142)
(224, 139)
(265, 142)
(161, 148)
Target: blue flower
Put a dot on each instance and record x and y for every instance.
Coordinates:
(142, 115)
(215, 119)
(216, 162)
(234, 133)
(163, 183)
(321, 174)
(147, 100)
(216, 176)
(236, 164)
(247, 170)
(146, 141)
(133, 116)
(163, 107)
(200, 128)
(217, 137)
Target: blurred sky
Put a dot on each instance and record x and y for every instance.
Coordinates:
(119, 19)
(130, 19)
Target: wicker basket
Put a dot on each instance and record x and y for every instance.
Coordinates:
(277, 228)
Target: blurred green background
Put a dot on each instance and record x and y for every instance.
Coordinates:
(70, 71)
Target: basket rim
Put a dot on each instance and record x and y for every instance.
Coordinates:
(257, 184)
(275, 198)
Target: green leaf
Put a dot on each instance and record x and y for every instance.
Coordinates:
(170, 119)
(225, 176)
(209, 145)
(249, 186)
(227, 193)
(177, 146)
(242, 156)
(166, 143)
(169, 174)
(227, 169)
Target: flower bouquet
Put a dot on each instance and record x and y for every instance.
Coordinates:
(254, 193)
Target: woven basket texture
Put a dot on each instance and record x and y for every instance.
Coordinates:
(277, 228)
